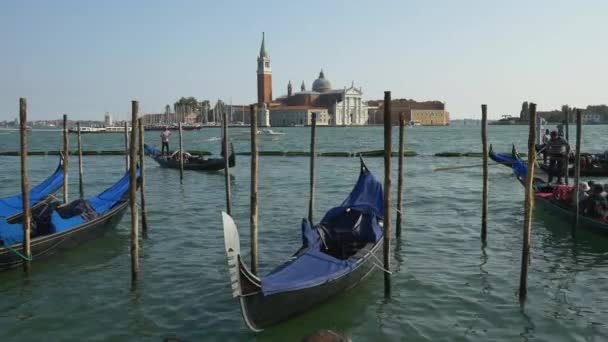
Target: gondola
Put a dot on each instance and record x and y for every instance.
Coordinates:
(11, 208)
(597, 168)
(60, 227)
(335, 255)
(544, 199)
(503, 158)
(199, 163)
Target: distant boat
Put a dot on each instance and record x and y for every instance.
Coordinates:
(188, 127)
(111, 129)
(268, 131)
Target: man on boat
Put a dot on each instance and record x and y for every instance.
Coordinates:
(558, 147)
(164, 137)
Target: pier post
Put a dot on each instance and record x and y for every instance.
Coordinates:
(577, 169)
(226, 148)
(127, 150)
(66, 158)
(387, 192)
(566, 162)
(484, 196)
(311, 200)
(133, 193)
(567, 122)
(400, 176)
(253, 215)
(528, 206)
(80, 171)
(181, 153)
(25, 191)
(142, 182)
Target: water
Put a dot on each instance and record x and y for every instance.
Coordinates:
(445, 287)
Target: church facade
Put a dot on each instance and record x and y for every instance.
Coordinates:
(334, 107)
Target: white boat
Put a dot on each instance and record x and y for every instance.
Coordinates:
(111, 129)
(268, 131)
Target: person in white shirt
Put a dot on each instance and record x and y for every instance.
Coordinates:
(164, 137)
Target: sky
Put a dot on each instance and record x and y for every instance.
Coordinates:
(85, 58)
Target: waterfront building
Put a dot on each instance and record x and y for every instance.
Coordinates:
(340, 107)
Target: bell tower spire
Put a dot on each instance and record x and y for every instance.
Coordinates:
(264, 74)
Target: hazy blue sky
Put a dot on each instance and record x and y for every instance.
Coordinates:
(87, 57)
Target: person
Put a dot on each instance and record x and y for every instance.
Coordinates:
(583, 192)
(596, 205)
(545, 140)
(557, 149)
(164, 137)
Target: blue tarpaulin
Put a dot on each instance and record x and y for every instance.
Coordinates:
(100, 204)
(13, 205)
(357, 219)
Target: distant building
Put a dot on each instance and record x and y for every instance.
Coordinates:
(341, 107)
(107, 120)
(428, 113)
(298, 116)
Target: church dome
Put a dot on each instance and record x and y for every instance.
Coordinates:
(321, 85)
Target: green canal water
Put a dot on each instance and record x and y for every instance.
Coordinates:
(445, 286)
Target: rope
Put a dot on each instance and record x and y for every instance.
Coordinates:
(26, 258)
(378, 265)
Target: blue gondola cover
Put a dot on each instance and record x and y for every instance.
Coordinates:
(312, 266)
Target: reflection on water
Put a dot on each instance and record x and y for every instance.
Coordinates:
(444, 287)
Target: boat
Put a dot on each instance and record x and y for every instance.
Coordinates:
(59, 227)
(268, 131)
(335, 255)
(93, 130)
(503, 158)
(191, 162)
(592, 165)
(11, 207)
(185, 127)
(545, 200)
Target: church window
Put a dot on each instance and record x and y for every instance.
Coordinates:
(266, 64)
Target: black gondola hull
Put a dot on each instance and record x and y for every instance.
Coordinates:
(592, 172)
(264, 311)
(44, 246)
(214, 164)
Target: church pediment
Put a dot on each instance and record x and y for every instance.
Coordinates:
(353, 91)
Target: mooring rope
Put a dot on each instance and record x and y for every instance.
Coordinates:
(26, 258)
(378, 265)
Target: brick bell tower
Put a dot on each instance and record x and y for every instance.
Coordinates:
(264, 76)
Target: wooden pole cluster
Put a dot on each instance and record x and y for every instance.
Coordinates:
(528, 206)
(133, 194)
(181, 153)
(313, 132)
(80, 171)
(577, 170)
(127, 147)
(142, 182)
(484, 196)
(253, 215)
(398, 221)
(25, 191)
(226, 160)
(387, 192)
(66, 158)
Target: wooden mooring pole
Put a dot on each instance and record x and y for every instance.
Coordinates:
(181, 153)
(484, 196)
(313, 132)
(66, 159)
(226, 149)
(80, 171)
(25, 191)
(133, 194)
(127, 149)
(253, 215)
(528, 206)
(577, 170)
(387, 192)
(142, 177)
(567, 123)
(400, 176)
(566, 161)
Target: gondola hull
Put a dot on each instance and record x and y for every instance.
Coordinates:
(592, 172)
(212, 164)
(260, 311)
(568, 215)
(48, 245)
